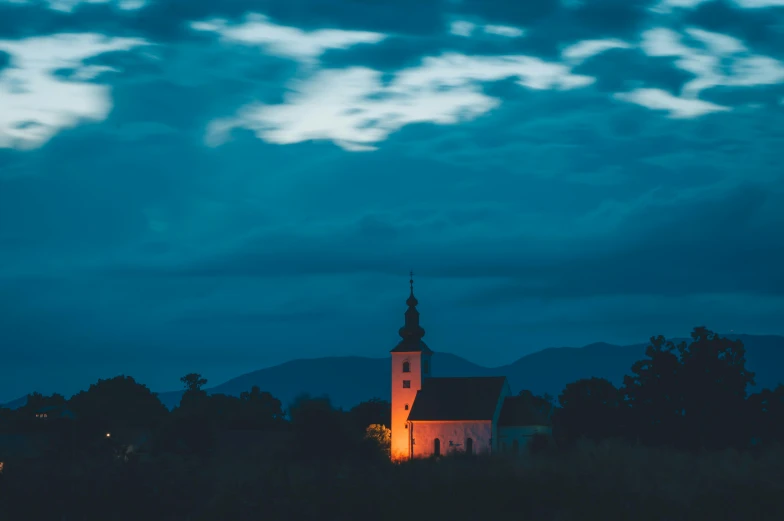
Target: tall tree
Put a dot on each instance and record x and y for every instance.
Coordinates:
(691, 394)
(195, 398)
(654, 395)
(714, 382)
(118, 403)
(767, 410)
(193, 382)
(259, 409)
(372, 412)
(591, 408)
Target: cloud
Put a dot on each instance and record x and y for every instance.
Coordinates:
(723, 62)
(461, 28)
(68, 6)
(580, 51)
(467, 29)
(667, 5)
(291, 42)
(37, 102)
(678, 107)
(353, 107)
(504, 30)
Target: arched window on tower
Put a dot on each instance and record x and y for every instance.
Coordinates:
(436, 447)
(406, 367)
(406, 406)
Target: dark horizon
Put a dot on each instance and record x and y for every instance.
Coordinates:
(213, 383)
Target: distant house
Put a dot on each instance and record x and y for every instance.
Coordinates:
(52, 412)
(435, 416)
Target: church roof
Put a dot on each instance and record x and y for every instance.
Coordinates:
(454, 399)
(416, 346)
(411, 332)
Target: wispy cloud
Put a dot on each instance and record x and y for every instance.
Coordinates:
(355, 109)
(678, 107)
(36, 102)
(714, 59)
(288, 42)
(580, 51)
(504, 30)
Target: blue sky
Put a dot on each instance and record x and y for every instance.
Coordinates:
(218, 186)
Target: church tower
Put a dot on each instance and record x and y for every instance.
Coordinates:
(410, 366)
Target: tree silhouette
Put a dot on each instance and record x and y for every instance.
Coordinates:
(591, 408)
(118, 402)
(540, 407)
(193, 382)
(372, 412)
(767, 410)
(260, 410)
(654, 395)
(36, 401)
(320, 431)
(692, 394)
(714, 380)
(194, 399)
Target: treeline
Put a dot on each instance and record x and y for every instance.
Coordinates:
(681, 438)
(690, 395)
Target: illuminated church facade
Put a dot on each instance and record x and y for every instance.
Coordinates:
(436, 416)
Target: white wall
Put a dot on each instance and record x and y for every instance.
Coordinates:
(523, 435)
(505, 391)
(424, 434)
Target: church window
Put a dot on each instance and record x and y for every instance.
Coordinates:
(436, 447)
(406, 406)
(406, 367)
(469, 446)
(406, 384)
(426, 366)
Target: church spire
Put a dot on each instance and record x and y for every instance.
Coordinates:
(411, 332)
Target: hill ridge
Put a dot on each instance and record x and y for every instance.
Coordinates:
(544, 371)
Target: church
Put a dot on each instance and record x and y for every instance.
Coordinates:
(433, 416)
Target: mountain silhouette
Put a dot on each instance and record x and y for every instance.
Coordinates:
(352, 379)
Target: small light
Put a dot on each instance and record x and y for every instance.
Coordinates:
(108, 434)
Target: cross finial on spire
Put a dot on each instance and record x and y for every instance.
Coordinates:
(411, 280)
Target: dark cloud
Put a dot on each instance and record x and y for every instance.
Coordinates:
(622, 70)
(558, 217)
(167, 20)
(760, 28)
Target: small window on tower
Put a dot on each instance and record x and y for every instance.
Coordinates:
(406, 406)
(426, 366)
(406, 384)
(406, 367)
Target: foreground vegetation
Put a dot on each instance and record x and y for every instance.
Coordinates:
(608, 481)
(680, 439)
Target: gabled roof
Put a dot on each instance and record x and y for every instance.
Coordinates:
(519, 412)
(454, 399)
